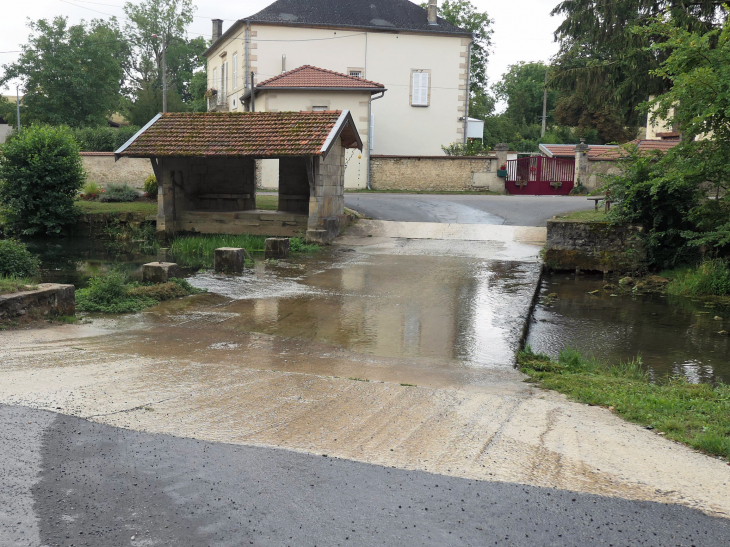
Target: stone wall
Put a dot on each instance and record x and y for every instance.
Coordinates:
(597, 171)
(327, 200)
(48, 299)
(435, 173)
(597, 246)
(101, 168)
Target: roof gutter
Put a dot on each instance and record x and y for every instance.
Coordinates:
(127, 144)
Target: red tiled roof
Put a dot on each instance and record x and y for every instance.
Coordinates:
(97, 153)
(313, 77)
(608, 152)
(242, 134)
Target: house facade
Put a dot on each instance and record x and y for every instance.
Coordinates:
(421, 59)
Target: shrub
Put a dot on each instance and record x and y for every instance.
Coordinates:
(119, 193)
(112, 293)
(16, 260)
(40, 173)
(91, 190)
(103, 138)
(150, 186)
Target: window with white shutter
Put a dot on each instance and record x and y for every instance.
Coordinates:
(420, 85)
(223, 93)
(235, 71)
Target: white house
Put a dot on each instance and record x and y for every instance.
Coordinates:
(422, 61)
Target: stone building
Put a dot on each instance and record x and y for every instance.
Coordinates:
(205, 164)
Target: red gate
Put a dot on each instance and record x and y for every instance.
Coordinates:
(540, 176)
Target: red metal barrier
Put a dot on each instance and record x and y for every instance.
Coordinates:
(540, 176)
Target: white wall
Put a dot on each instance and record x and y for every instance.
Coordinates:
(388, 58)
(5, 130)
(293, 101)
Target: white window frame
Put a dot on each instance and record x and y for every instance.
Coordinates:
(420, 87)
(319, 108)
(360, 72)
(223, 91)
(235, 72)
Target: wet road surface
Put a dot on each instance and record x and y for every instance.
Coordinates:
(96, 485)
(391, 350)
(465, 209)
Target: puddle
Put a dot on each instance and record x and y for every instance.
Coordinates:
(673, 335)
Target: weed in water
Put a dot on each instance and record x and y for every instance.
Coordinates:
(694, 414)
(711, 278)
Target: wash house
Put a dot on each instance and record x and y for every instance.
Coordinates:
(205, 164)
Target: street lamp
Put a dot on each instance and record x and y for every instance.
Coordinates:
(164, 73)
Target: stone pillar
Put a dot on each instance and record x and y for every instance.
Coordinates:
(581, 163)
(165, 200)
(229, 260)
(501, 150)
(160, 272)
(276, 247)
(327, 199)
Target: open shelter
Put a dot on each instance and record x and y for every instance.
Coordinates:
(206, 170)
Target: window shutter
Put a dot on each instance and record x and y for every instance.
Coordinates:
(235, 71)
(420, 89)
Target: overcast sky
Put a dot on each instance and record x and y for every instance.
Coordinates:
(523, 29)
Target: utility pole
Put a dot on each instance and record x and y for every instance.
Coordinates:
(544, 106)
(164, 72)
(17, 106)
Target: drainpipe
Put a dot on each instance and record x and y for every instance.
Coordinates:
(468, 84)
(370, 119)
(246, 42)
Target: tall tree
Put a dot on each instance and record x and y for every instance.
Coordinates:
(523, 89)
(70, 75)
(464, 14)
(154, 25)
(605, 62)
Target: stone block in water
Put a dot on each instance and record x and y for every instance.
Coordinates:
(277, 247)
(229, 260)
(160, 272)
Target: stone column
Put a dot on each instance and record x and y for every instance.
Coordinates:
(501, 149)
(165, 200)
(581, 163)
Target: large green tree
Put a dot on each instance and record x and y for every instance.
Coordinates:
(523, 89)
(152, 26)
(70, 74)
(609, 65)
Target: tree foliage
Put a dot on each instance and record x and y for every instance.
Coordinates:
(670, 194)
(608, 65)
(522, 88)
(40, 173)
(70, 74)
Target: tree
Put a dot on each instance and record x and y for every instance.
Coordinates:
(464, 14)
(40, 173)
(154, 25)
(609, 65)
(70, 74)
(669, 194)
(522, 88)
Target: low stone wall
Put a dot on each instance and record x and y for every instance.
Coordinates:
(101, 168)
(435, 173)
(597, 173)
(598, 246)
(48, 299)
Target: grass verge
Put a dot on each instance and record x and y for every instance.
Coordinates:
(198, 251)
(97, 207)
(112, 293)
(10, 285)
(697, 415)
(584, 216)
(267, 203)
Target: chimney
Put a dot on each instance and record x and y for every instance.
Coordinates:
(432, 12)
(217, 29)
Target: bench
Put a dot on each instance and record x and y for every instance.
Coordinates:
(596, 199)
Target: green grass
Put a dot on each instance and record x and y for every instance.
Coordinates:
(96, 207)
(198, 251)
(10, 285)
(267, 203)
(584, 216)
(709, 279)
(112, 293)
(697, 415)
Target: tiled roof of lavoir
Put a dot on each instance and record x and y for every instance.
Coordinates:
(242, 134)
(311, 76)
(375, 14)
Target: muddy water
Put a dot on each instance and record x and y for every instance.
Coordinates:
(672, 335)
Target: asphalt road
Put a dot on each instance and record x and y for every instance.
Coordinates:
(69, 482)
(465, 209)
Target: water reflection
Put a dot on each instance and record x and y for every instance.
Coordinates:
(673, 336)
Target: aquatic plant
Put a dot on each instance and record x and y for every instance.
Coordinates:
(710, 278)
(113, 293)
(693, 414)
